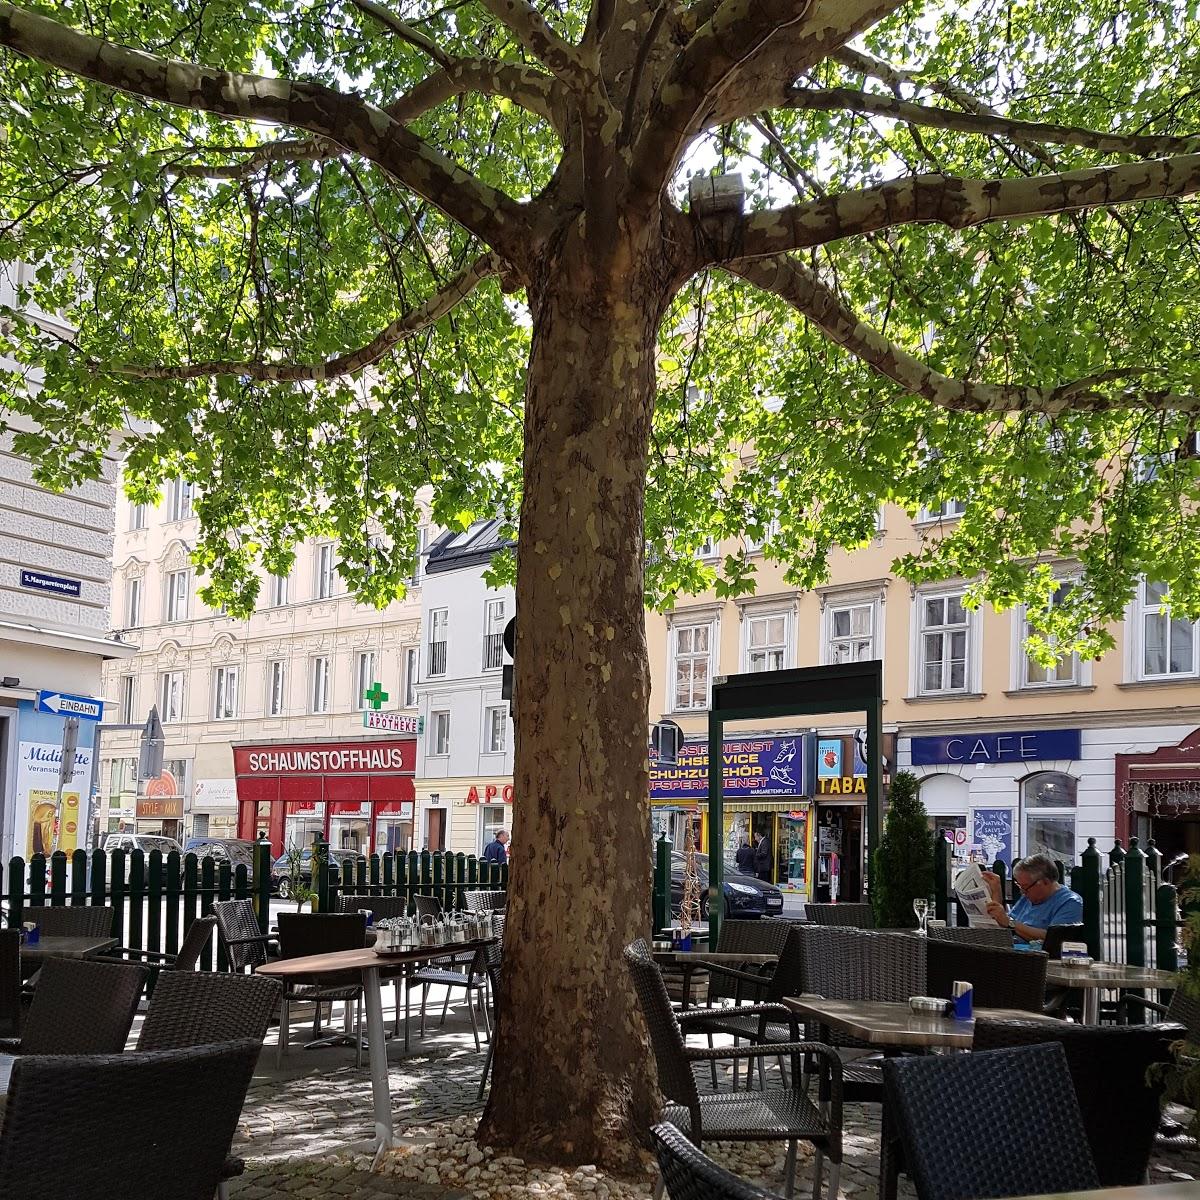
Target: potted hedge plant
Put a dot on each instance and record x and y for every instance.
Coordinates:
(902, 869)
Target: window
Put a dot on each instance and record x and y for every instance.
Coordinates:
(319, 693)
(766, 642)
(170, 696)
(225, 693)
(691, 652)
(943, 645)
(277, 591)
(410, 676)
(419, 554)
(1065, 670)
(493, 635)
(495, 727)
(364, 676)
(325, 571)
(851, 633)
(439, 626)
(137, 517)
(492, 819)
(439, 732)
(1168, 643)
(179, 587)
(707, 548)
(126, 699)
(276, 687)
(754, 545)
(947, 510)
(179, 499)
(133, 603)
(1048, 800)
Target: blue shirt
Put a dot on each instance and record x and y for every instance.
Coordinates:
(1061, 907)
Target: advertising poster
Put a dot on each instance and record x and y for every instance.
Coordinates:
(37, 786)
(752, 767)
(829, 758)
(992, 830)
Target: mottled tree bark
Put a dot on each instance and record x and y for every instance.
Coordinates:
(574, 1075)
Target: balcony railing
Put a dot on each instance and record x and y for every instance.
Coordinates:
(493, 651)
(437, 658)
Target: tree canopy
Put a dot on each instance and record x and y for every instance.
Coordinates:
(304, 311)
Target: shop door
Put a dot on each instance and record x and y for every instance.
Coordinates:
(435, 829)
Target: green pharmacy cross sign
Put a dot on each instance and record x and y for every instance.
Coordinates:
(375, 696)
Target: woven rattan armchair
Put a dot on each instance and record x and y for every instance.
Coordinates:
(773, 1114)
(186, 958)
(80, 1006)
(486, 901)
(383, 908)
(1001, 978)
(10, 982)
(1052, 943)
(156, 1125)
(71, 920)
(246, 946)
(493, 959)
(427, 906)
(1108, 1065)
(850, 916)
(198, 1008)
(1182, 1010)
(993, 1124)
(689, 1174)
(304, 934)
(994, 936)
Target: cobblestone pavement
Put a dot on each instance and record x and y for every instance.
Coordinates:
(306, 1130)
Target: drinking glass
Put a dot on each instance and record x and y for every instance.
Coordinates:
(921, 909)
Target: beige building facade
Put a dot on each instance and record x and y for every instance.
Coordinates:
(269, 710)
(1014, 758)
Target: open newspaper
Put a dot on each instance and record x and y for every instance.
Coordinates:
(973, 895)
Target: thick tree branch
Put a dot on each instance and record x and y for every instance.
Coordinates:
(416, 319)
(533, 90)
(792, 281)
(403, 30)
(960, 203)
(350, 122)
(286, 150)
(851, 100)
(533, 32)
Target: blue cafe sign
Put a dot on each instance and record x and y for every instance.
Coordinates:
(971, 748)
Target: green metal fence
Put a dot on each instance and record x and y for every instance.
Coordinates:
(1129, 914)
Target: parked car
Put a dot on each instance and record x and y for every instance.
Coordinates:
(745, 896)
(281, 869)
(130, 842)
(234, 851)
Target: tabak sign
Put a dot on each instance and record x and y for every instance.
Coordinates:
(397, 757)
(772, 766)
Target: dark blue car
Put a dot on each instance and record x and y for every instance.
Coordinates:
(745, 896)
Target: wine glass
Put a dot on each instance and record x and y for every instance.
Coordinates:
(921, 909)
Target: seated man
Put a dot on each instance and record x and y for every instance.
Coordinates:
(1044, 901)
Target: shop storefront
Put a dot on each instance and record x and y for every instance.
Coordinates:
(840, 819)
(214, 808)
(1158, 796)
(159, 809)
(357, 795)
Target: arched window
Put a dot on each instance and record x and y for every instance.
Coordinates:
(1048, 802)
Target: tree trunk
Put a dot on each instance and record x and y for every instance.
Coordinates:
(574, 1079)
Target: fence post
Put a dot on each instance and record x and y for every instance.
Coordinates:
(58, 877)
(1085, 879)
(1154, 862)
(1166, 917)
(1135, 905)
(662, 884)
(16, 892)
(262, 882)
(137, 894)
(320, 861)
(941, 878)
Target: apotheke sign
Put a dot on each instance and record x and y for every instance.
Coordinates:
(972, 748)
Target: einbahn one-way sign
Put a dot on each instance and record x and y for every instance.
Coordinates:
(87, 708)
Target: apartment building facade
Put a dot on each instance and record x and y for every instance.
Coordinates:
(465, 755)
(1014, 757)
(264, 717)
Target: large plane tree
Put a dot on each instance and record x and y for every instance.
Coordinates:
(316, 254)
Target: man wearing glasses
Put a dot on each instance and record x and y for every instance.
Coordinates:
(1044, 901)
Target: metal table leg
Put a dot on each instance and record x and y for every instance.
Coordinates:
(1091, 1006)
(380, 1093)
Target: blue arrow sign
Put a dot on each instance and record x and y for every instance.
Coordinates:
(62, 705)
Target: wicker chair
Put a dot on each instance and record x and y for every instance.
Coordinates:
(1052, 944)
(168, 1119)
(80, 1006)
(427, 906)
(1183, 1009)
(1022, 1135)
(689, 1174)
(71, 920)
(850, 916)
(1001, 978)
(1108, 1066)
(994, 936)
(10, 981)
(383, 907)
(200, 1008)
(246, 946)
(185, 959)
(486, 901)
(304, 934)
(776, 1114)
(468, 973)
(493, 958)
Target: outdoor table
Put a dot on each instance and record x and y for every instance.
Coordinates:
(893, 1023)
(1145, 1191)
(368, 965)
(65, 947)
(1090, 980)
(697, 958)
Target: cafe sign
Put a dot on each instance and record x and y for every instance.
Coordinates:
(1029, 745)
